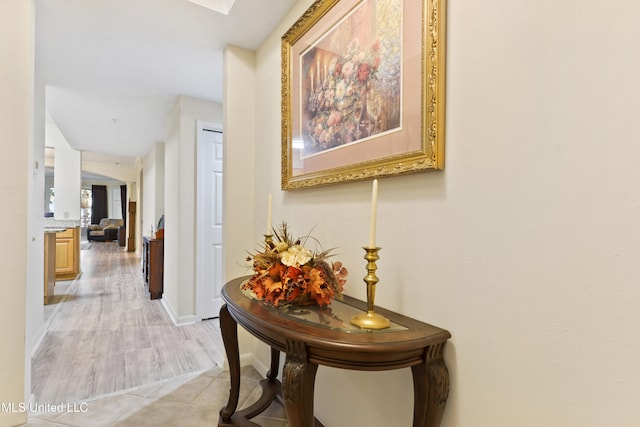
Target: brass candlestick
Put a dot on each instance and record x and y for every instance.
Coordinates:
(370, 319)
(268, 242)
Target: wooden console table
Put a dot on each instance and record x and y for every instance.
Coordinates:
(153, 265)
(312, 336)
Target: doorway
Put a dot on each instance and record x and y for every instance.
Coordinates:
(209, 265)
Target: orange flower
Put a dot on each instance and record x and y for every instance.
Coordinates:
(275, 271)
(315, 281)
(291, 274)
(258, 288)
(274, 297)
(272, 286)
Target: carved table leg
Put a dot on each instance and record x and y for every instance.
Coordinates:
(275, 365)
(229, 329)
(298, 377)
(271, 389)
(430, 388)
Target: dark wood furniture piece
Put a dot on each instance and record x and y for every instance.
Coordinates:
(131, 240)
(153, 265)
(312, 336)
(122, 235)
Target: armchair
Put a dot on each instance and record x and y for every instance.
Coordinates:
(106, 231)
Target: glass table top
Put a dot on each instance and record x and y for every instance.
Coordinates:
(336, 316)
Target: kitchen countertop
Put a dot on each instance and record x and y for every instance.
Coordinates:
(58, 225)
(54, 229)
(61, 223)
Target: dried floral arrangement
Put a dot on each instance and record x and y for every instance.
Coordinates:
(286, 272)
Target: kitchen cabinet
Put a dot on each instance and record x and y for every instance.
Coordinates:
(68, 254)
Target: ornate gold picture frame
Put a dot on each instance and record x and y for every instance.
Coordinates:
(363, 91)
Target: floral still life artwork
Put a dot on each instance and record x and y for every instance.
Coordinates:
(287, 272)
(352, 84)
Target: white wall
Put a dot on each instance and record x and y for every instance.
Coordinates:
(153, 187)
(16, 181)
(525, 247)
(119, 172)
(180, 206)
(239, 157)
(67, 174)
(139, 208)
(34, 321)
(239, 166)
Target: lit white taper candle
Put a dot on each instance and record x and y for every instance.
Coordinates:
(374, 208)
(269, 228)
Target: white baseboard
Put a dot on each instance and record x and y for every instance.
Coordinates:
(177, 320)
(246, 359)
(35, 344)
(44, 328)
(258, 365)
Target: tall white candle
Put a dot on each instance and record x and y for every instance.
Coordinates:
(374, 208)
(269, 229)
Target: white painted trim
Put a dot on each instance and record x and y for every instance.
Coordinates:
(257, 364)
(177, 320)
(37, 341)
(35, 345)
(186, 320)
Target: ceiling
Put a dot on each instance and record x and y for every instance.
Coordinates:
(113, 69)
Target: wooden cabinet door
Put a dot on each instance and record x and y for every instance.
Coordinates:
(68, 254)
(64, 256)
(49, 265)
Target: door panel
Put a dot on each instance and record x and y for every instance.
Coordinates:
(209, 257)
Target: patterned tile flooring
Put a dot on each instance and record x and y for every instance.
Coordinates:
(112, 357)
(193, 400)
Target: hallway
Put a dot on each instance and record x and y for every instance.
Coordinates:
(111, 347)
(107, 323)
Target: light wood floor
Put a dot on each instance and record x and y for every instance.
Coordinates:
(106, 335)
(116, 355)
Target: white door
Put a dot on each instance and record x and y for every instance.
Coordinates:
(209, 221)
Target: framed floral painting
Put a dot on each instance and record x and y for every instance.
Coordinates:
(363, 91)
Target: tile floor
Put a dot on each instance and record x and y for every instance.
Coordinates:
(82, 376)
(187, 401)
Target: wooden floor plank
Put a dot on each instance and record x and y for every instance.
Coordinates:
(107, 335)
